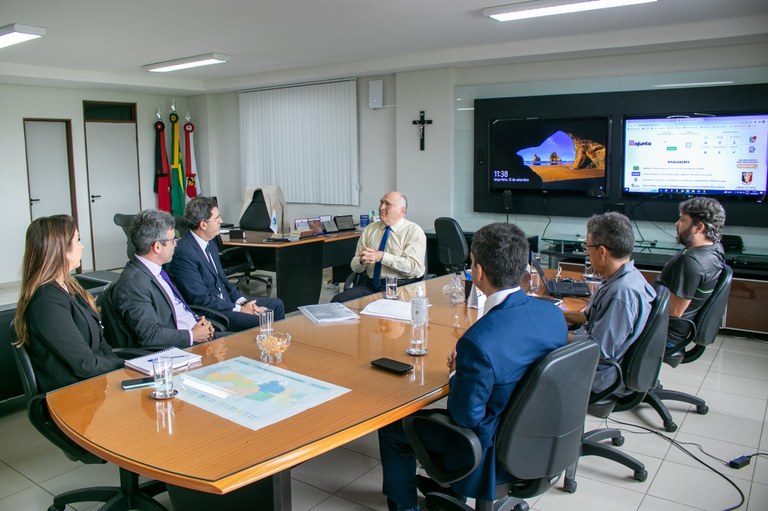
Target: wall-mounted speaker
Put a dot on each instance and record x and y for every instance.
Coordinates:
(375, 94)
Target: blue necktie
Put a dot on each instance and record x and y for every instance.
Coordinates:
(176, 293)
(377, 266)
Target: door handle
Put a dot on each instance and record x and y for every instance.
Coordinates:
(32, 201)
(94, 197)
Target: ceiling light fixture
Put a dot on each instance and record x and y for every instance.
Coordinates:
(187, 62)
(525, 9)
(15, 33)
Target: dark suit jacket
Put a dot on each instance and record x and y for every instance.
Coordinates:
(66, 343)
(198, 282)
(146, 310)
(491, 358)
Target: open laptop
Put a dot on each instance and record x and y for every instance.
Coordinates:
(345, 223)
(559, 288)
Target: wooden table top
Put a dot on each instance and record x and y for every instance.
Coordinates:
(256, 239)
(181, 444)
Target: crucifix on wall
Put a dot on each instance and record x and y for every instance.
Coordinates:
(422, 122)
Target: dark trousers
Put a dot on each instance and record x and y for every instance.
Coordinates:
(365, 287)
(239, 321)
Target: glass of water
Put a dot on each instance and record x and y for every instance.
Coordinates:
(391, 290)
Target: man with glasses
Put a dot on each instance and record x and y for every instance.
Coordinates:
(617, 312)
(196, 270)
(391, 246)
(150, 309)
(692, 273)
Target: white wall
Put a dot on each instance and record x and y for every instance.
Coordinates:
(25, 102)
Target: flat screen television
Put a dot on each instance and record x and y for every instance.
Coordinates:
(679, 156)
(562, 156)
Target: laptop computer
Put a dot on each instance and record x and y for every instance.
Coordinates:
(560, 288)
(345, 223)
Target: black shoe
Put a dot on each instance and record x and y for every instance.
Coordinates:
(426, 485)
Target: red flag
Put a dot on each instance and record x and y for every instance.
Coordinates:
(162, 174)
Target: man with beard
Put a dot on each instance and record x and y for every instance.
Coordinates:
(692, 273)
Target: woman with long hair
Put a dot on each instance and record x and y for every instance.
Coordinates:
(56, 319)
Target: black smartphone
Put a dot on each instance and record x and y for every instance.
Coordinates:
(392, 366)
(138, 383)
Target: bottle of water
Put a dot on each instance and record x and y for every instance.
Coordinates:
(419, 324)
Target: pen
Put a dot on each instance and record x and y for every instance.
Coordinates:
(157, 358)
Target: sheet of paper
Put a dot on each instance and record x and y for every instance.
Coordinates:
(392, 309)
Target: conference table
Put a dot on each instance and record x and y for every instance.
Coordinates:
(299, 264)
(208, 461)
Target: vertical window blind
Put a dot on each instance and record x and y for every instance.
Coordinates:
(304, 139)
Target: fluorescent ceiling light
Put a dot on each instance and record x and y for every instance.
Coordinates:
(15, 33)
(536, 8)
(693, 84)
(186, 63)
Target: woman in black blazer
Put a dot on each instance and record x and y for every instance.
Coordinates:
(56, 319)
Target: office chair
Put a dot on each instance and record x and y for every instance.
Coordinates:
(452, 249)
(129, 495)
(124, 221)
(702, 332)
(235, 260)
(538, 437)
(119, 335)
(637, 373)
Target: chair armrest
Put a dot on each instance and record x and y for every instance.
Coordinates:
(597, 397)
(219, 321)
(129, 353)
(471, 445)
(680, 344)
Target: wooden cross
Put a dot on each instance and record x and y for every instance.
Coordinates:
(421, 122)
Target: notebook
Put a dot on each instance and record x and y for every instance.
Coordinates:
(180, 359)
(559, 288)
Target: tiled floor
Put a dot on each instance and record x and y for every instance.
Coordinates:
(732, 376)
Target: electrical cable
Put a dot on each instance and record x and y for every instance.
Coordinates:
(689, 453)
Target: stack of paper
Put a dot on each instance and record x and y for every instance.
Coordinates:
(392, 309)
(328, 313)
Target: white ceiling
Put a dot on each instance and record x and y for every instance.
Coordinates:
(104, 43)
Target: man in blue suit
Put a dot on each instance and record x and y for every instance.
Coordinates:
(490, 358)
(197, 272)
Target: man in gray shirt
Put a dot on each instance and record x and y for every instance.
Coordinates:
(618, 310)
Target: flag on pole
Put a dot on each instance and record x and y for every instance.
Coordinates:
(162, 174)
(193, 185)
(273, 222)
(177, 179)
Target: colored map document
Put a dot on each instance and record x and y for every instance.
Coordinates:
(253, 394)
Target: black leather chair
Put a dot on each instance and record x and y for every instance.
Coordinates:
(702, 332)
(236, 261)
(124, 221)
(637, 373)
(538, 437)
(118, 334)
(129, 495)
(452, 249)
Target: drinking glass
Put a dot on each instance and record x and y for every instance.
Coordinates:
(162, 368)
(266, 319)
(391, 290)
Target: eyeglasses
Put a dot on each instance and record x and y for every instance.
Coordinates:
(584, 246)
(173, 240)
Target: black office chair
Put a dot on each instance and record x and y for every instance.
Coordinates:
(702, 332)
(637, 373)
(124, 221)
(538, 437)
(235, 260)
(119, 335)
(129, 495)
(452, 249)
(256, 217)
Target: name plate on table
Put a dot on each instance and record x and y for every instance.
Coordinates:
(236, 234)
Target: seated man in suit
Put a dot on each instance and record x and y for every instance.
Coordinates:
(616, 314)
(148, 304)
(197, 272)
(490, 358)
(393, 245)
(691, 274)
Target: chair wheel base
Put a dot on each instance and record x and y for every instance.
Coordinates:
(570, 485)
(618, 442)
(54, 507)
(702, 409)
(670, 427)
(641, 475)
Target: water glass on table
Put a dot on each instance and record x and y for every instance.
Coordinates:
(391, 287)
(266, 319)
(162, 368)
